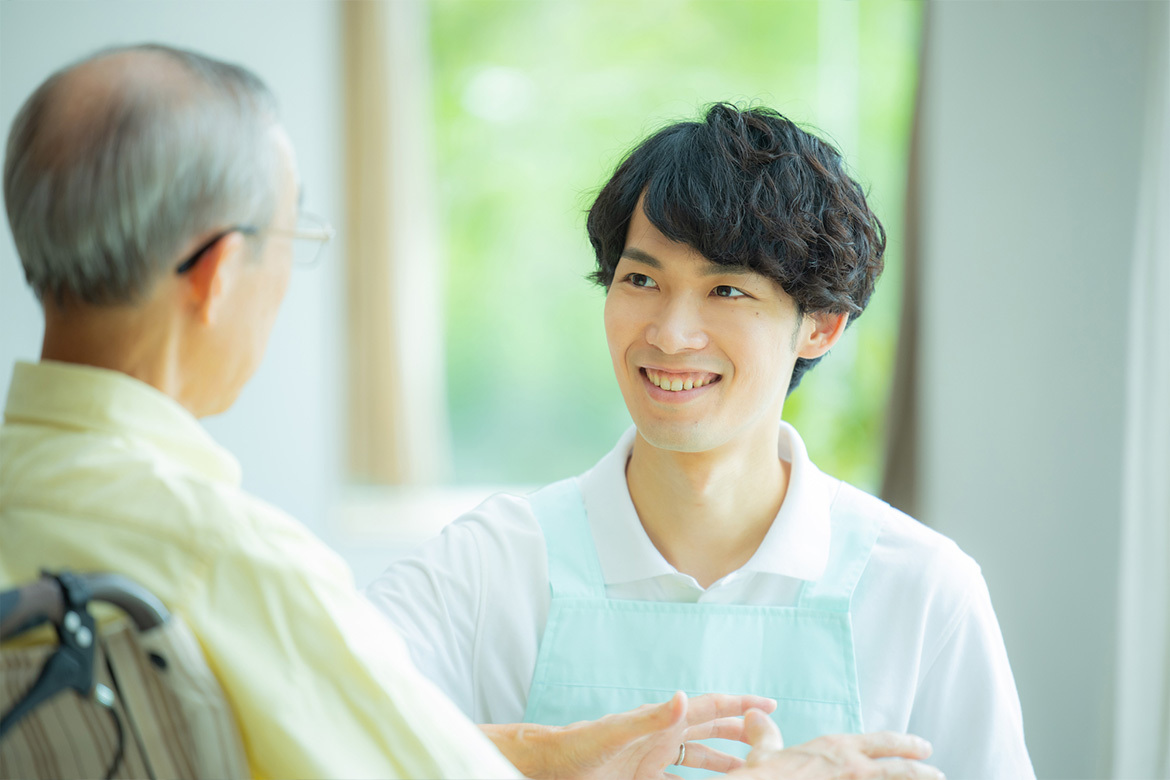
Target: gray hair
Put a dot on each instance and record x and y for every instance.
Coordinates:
(100, 206)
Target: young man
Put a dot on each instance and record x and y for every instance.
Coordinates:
(706, 552)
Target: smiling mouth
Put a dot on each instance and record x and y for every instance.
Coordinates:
(677, 381)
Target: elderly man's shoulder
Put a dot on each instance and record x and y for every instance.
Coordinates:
(230, 526)
(123, 488)
(238, 523)
(90, 503)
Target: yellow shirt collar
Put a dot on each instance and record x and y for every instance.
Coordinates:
(85, 398)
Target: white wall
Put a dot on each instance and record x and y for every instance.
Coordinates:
(1032, 130)
(286, 426)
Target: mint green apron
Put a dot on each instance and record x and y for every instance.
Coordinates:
(600, 656)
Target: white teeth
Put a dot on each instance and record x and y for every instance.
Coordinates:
(664, 382)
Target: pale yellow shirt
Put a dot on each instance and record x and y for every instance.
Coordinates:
(101, 472)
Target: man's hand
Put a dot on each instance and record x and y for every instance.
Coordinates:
(837, 757)
(636, 745)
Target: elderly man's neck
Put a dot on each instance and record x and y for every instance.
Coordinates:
(141, 341)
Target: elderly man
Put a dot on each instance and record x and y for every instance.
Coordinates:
(153, 198)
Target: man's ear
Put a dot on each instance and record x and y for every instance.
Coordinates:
(819, 332)
(213, 275)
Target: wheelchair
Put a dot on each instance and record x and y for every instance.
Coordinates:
(127, 697)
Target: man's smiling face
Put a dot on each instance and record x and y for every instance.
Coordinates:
(703, 353)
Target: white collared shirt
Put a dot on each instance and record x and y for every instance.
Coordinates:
(472, 605)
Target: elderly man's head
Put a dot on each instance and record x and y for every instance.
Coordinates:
(149, 191)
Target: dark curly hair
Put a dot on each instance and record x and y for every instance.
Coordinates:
(748, 188)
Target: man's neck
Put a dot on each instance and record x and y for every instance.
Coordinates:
(118, 339)
(707, 512)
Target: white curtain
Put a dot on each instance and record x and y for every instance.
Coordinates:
(1142, 724)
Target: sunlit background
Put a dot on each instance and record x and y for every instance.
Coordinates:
(449, 343)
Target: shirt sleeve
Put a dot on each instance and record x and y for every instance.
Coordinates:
(471, 605)
(432, 598)
(321, 684)
(966, 703)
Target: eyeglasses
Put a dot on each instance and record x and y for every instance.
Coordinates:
(310, 235)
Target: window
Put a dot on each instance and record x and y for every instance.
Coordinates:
(536, 102)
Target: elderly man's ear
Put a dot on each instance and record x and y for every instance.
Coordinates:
(209, 281)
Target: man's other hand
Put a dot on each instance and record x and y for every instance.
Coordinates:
(837, 757)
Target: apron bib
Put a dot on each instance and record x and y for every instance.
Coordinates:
(600, 656)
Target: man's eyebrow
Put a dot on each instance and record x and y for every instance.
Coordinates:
(639, 256)
(712, 269)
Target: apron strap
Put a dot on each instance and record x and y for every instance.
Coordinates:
(854, 535)
(573, 568)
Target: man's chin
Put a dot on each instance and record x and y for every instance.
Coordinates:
(680, 437)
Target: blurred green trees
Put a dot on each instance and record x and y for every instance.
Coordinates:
(536, 102)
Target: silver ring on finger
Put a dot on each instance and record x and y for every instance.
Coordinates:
(682, 754)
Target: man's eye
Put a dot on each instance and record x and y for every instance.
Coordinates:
(640, 280)
(727, 291)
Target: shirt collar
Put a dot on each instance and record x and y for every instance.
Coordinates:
(85, 398)
(796, 545)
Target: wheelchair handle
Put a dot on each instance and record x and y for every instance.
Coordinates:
(42, 601)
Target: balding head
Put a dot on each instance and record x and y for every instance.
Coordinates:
(118, 162)
(95, 93)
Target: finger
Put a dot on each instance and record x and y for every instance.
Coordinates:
(761, 732)
(700, 756)
(900, 769)
(624, 727)
(676, 709)
(710, 706)
(890, 744)
(720, 728)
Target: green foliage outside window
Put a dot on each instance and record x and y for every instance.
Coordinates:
(536, 102)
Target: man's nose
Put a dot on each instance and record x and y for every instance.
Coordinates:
(677, 327)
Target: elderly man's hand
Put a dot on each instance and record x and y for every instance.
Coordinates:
(837, 757)
(637, 745)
